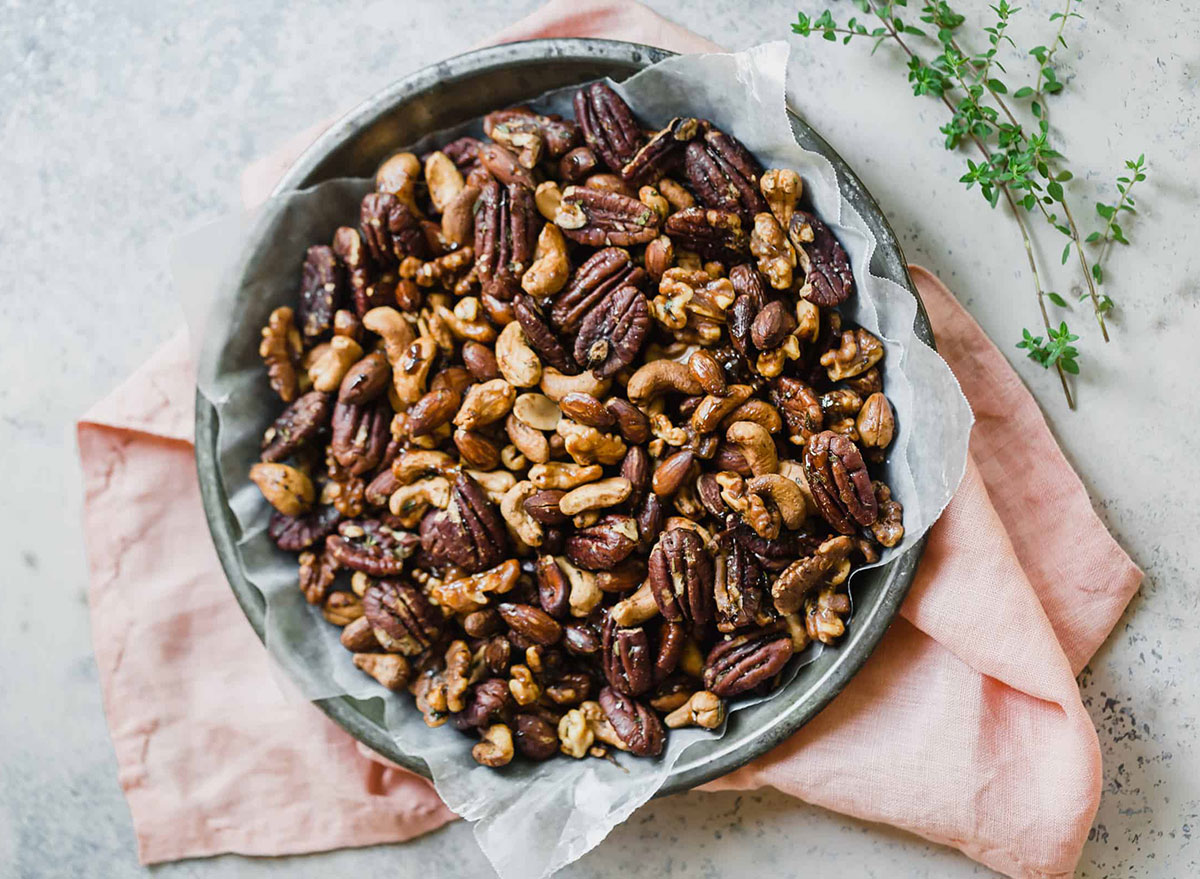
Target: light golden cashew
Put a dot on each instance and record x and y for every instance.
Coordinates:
(584, 594)
(411, 371)
(466, 321)
(548, 198)
(496, 749)
(518, 363)
(410, 502)
(563, 475)
(512, 508)
(587, 445)
(399, 175)
(391, 325)
(794, 471)
(548, 272)
(713, 409)
(661, 376)
(327, 368)
(531, 443)
(390, 669)
(485, 404)
(756, 446)
(636, 608)
(360, 583)
(417, 463)
(555, 385)
(537, 411)
(493, 482)
(785, 494)
(287, 489)
(512, 458)
(596, 495)
(703, 709)
(443, 178)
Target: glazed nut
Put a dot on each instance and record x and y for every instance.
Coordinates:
(329, 363)
(410, 370)
(655, 200)
(876, 423)
(525, 690)
(342, 608)
(531, 443)
(672, 473)
(785, 495)
(659, 256)
(555, 385)
(706, 370)
(585, 593)
(458, 217)
(714, 410)
(547, 197)
(755, 444)
(575, 736)
(781, 188)
(397, 333)
(512, 508)
(493, 482)
(485, 404)
(517, 362)
(390, 669)
(563, 475)
(636, 608)
(659, 377)
(470, 593)
(537, 411)
(588, 410)
(411, 501)
(444, 180)
(595, 495)
(287, 489)
(587, 445)
(496, 749)
(548, 272)
(702, 709)
(399, 175)
(417, 463)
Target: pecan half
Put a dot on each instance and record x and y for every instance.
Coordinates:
(628, 664)
(613, 333)
(828, 280)
(401, 618)
(747, 661)
(506, 230)
(598, 218)
(723, 174)
(470, 533)
(531, 135)
(604, 545)
(599, 275)
(799, 405)
(322, 291)
(541, 335)
(360, 435)
(369, 546)
(712, 233)
(739, 588)
(635, 724)
(294, 533)
(681, 577)
(299, 423)
(662, 152)
(608, 124)
(839, 482)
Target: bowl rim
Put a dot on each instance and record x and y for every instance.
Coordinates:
(863, 636)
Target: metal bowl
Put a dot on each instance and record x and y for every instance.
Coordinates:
(468, 86)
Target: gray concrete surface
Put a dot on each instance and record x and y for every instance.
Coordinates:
(127, 122)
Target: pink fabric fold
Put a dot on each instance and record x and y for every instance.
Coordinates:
(965, 726)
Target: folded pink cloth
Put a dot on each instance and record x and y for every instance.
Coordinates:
(965, 726)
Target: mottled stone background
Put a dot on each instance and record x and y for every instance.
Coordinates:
(126, 122)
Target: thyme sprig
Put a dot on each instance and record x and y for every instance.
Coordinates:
(1018, 162)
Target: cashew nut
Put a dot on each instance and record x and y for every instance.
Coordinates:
(531, 443)
(485, 403)
(548, 272)
(548, 197)
(443, 178)
(398, 175)
(328, 363)
(703, 709)
(658, 377)
(287, 489)
(411, 370)
(397, 333)
(759, 411)
(636, 608)
(496, 749)
(794, 471)
(585, 594)
(563, 475)
(786, 495)
(417, 463)
(713, 409)
(466, 321)
(756, 446)
(390, 669)
(512, 508)
(518, 363)
(493, 482)
(596, 495)
(537, 410)
(555, 385)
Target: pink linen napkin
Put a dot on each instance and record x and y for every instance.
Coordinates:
(965, 726)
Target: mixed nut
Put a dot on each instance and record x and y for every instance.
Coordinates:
(577, 443)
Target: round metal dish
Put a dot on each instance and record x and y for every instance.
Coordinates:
(471, 85)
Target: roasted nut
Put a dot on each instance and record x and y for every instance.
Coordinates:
(401, 618)
(723, 174)
(782, 189)
(287, 489)
(828, 279)
(512, 508)
(529, 442)
(672, 473)
(531, 622)
(458, 218)
(602, 273)
(714, 234)
(561, 475)
(839, 482)
(612, 334)
(702, 709)
(496, 749)
(398, 176)
(776, 256)
(755, 444)
(858, 352)
(389, 669)
(506, 231)
(598, 218)
(595, 496)
(280, 351)
(681, 577)
(746, 661)
(875, 422)
(550, 268)
(771, 326)
(516, 361)
(637, 726)
(541, 336)
(659, 377)
(535, 737)
(608, 125)
(604, 545)
(888, 529)
(627, 658)
(801, 577)
(298, 424)
(296, 533)
(485, 404)
(444, 180)
(587, 445)
(470, 533)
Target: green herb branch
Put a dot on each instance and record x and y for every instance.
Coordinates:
(1017, 164)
